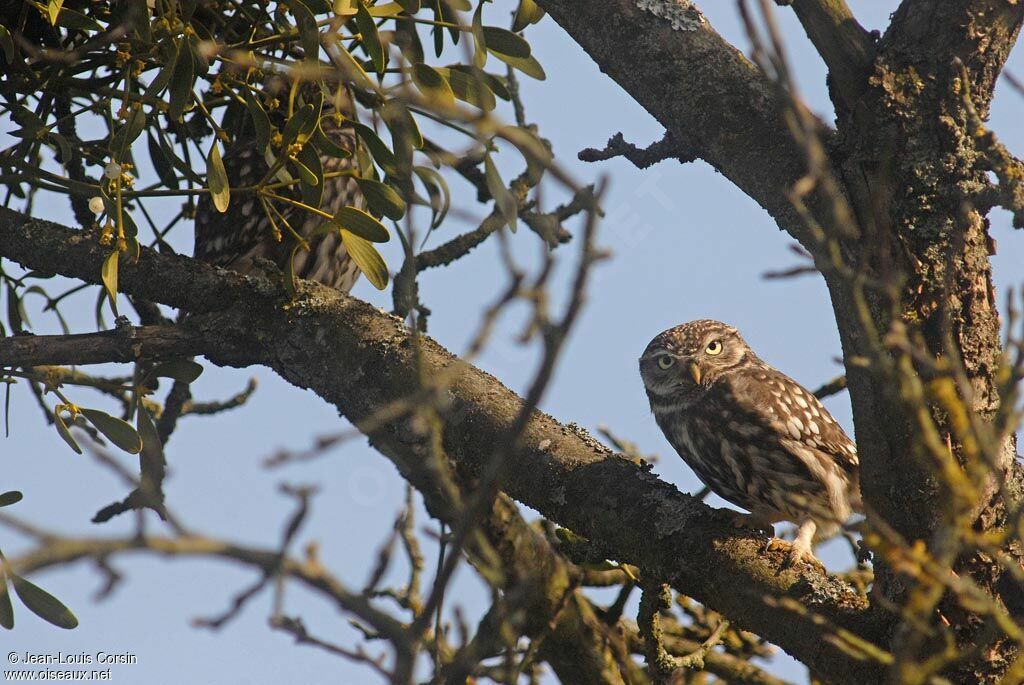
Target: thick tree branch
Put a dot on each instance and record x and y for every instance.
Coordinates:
(841, 41)
(560, 471)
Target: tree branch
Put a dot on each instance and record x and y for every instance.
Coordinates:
(707, 95)
(841, 41)
(122, 344)
(666, 148)
(560, 471)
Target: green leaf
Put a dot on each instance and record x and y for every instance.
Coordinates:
(326, 145)
(290, 279)
(260, 120)
(391, 9)
(433, 85)
(128, 224)
(361, 224)
(6, 609)
(503, 199)
(307, 176)
(153, 465)
(311, 171)
(529, 145)
(43, 604)
(301, 125)
(62, 145)
(497, 84)
(437, 31)
(382, 154)
(162, 78)
(469, 86)
(63, 432)
(528, 65)
(371, 39)
(10, 497)
(479, 38)
(7, 45)
(505, 42)
(132, 247)
(184, 370)
(127, 133)
(181, 82)
(179, 164)
(437, 189)
(28, 120)
(382, 198)
(309, 35)
(343, 8)
(401, 124)
(161, 163)
(200, 60)
(217, 179)
(527, 13)
(70, 19)
(366, 257)
(352, 69)
(117, 431)
(108, 273)
(410, 6)
(53, 10)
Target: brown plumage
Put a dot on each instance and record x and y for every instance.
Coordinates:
(243, 234)
(750, 433)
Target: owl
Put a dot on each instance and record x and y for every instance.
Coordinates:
(243, 234)
(750, 433)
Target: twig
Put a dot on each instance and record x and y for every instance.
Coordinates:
(666, 148)
(297, 629)
(833, 387)
(210, 408)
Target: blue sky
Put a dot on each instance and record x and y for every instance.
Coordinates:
(686, 245)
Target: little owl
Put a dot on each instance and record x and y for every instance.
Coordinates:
(750, 433)
(241, 236)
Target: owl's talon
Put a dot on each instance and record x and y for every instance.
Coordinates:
(797, 556)
(802, 547)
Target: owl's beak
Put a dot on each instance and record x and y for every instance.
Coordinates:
(694, 369)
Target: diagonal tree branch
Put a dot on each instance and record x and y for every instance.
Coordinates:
(560, 471)
(841, 41)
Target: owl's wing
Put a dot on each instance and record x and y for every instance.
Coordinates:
(792, 411)
(224, 239)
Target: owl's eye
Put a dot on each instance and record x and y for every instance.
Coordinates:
(665, 361)
(714, 347)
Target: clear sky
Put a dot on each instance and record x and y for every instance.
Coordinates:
(686, 245)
